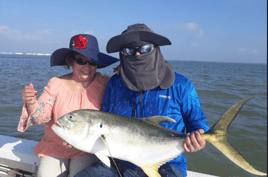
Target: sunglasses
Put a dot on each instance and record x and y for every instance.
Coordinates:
(81, 61)
(142, 50)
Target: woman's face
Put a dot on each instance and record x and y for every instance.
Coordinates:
(83, 72)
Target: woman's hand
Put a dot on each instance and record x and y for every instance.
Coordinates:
(29, 96)
(194, 141)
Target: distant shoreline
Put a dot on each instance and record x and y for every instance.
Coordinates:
(18, 53)
(48, 55)
(218, 62)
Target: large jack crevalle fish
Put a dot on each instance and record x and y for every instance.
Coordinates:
(141, 141)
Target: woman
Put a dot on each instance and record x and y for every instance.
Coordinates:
(81, 89)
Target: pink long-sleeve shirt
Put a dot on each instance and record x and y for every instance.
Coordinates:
(55, 101)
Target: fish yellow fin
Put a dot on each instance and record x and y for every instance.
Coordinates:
(158, 119)
(217, 137)
(151, 170)
(222, 145)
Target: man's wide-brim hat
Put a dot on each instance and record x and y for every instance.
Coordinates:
(86, 45)
(134, 36)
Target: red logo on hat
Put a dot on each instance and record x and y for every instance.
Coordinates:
(80, 42)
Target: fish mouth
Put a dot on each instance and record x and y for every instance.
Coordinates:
(59, 125)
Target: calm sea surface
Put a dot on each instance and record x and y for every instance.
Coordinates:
(219, 85)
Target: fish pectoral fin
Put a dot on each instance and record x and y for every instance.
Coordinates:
(158, 119)
(104, 159)
(151, 170)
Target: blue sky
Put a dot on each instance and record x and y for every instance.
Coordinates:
(200, 30)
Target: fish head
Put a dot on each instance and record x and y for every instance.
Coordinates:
(81, 129)
(72, 127)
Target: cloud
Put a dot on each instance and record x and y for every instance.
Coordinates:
(242, 50)
(44, 32)
(72, 33)
(194, 28)
(200, 33)
(255, 51)
(8, 32)
(2, 28)
(18, 35)
(191, 27)
(89, 32)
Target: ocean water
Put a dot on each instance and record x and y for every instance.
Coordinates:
(219, 86)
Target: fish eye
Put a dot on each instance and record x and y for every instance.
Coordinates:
(70, 117)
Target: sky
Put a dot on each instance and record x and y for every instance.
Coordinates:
(199, 30)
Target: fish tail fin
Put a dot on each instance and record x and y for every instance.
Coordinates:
(217, 137)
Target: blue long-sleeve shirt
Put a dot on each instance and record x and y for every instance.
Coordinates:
(179, 102)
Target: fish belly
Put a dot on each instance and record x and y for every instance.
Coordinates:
(143, 152)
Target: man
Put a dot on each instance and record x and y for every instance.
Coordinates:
(148, 86)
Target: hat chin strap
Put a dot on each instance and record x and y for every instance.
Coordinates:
(147, 71)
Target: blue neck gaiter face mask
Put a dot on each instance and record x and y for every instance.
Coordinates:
(147, 71)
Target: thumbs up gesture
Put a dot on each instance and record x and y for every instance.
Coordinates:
(29, 96)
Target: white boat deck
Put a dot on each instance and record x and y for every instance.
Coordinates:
(18, 153)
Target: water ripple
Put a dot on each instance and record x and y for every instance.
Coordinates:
(219, 86)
